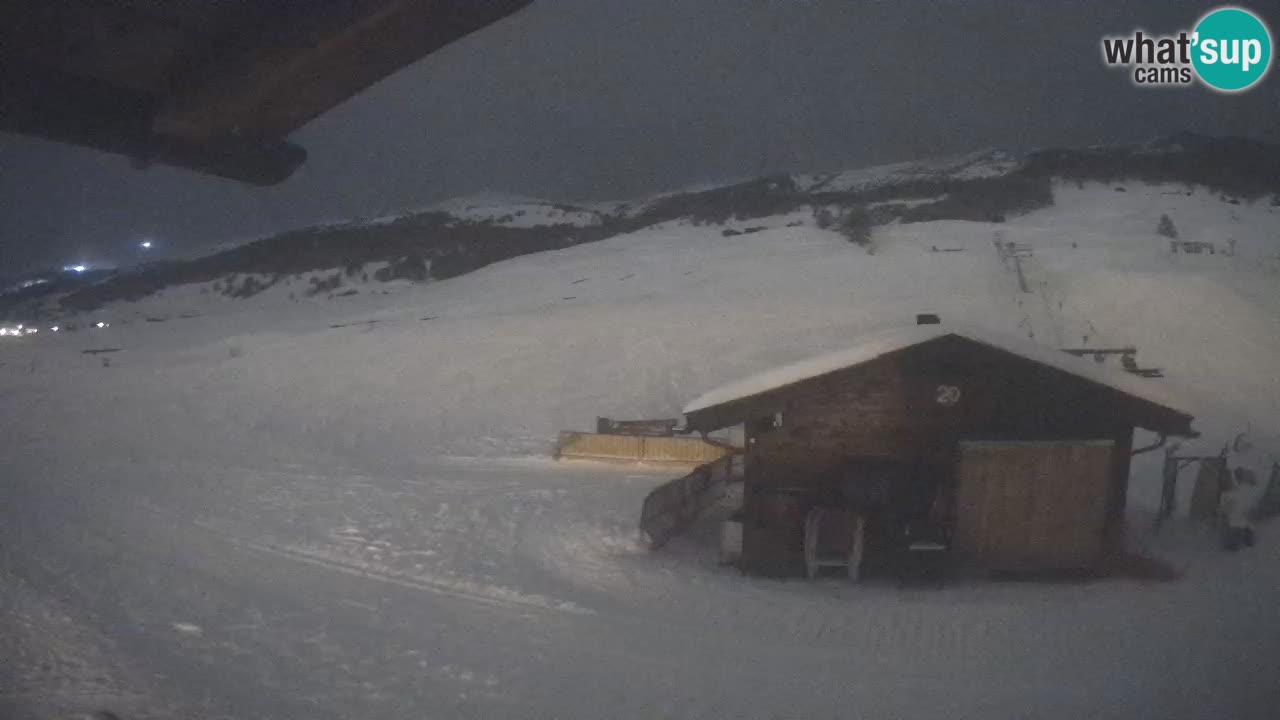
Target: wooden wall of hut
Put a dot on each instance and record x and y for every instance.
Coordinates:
(910, 409)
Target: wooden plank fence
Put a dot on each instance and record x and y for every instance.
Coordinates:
(636, 448)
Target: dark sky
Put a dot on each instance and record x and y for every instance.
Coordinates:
(596, 99)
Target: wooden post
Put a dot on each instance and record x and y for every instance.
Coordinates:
(1269, 503)
(1117, 499)
(855, 554)
(1022, 279)
(1207, 494)
(1169, 489)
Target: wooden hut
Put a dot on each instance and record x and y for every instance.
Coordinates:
(1014, 454)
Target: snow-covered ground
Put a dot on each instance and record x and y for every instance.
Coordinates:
(971, 166)
(510, 211)
(253, 513)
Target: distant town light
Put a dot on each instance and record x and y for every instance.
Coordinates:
(146, 244)
(74, 268)
(31, 330)
(101, 325)
(54, 328)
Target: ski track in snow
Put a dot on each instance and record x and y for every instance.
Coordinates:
(56, 665)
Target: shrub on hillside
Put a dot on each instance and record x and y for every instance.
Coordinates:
(824, 218)
(856, 226)
(762, 197)
(410, 267)
(329, 284)
(459, 262)
(249, 287)
(986, 200)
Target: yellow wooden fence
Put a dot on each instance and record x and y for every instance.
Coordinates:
(631, 448)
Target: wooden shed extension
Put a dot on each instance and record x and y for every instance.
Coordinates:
(1017, 452)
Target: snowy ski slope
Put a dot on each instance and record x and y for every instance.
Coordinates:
(336, 507)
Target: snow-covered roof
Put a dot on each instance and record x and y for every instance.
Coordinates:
(878, 344)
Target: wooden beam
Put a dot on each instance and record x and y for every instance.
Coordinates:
(276, 87)
(113, 43)
(82, 111)
(1080, 352)
(1121, 461)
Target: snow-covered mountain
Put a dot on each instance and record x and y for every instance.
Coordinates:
(635, 325)
(328, 475)
(459, 236)
(630, 309)
(973, 166)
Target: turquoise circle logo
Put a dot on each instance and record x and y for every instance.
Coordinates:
(1232, 49)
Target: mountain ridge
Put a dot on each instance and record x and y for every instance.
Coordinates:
(458, 236)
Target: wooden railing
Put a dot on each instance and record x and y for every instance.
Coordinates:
(635, 448)
(675, 504)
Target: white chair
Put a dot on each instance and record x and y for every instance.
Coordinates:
(818, 554)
